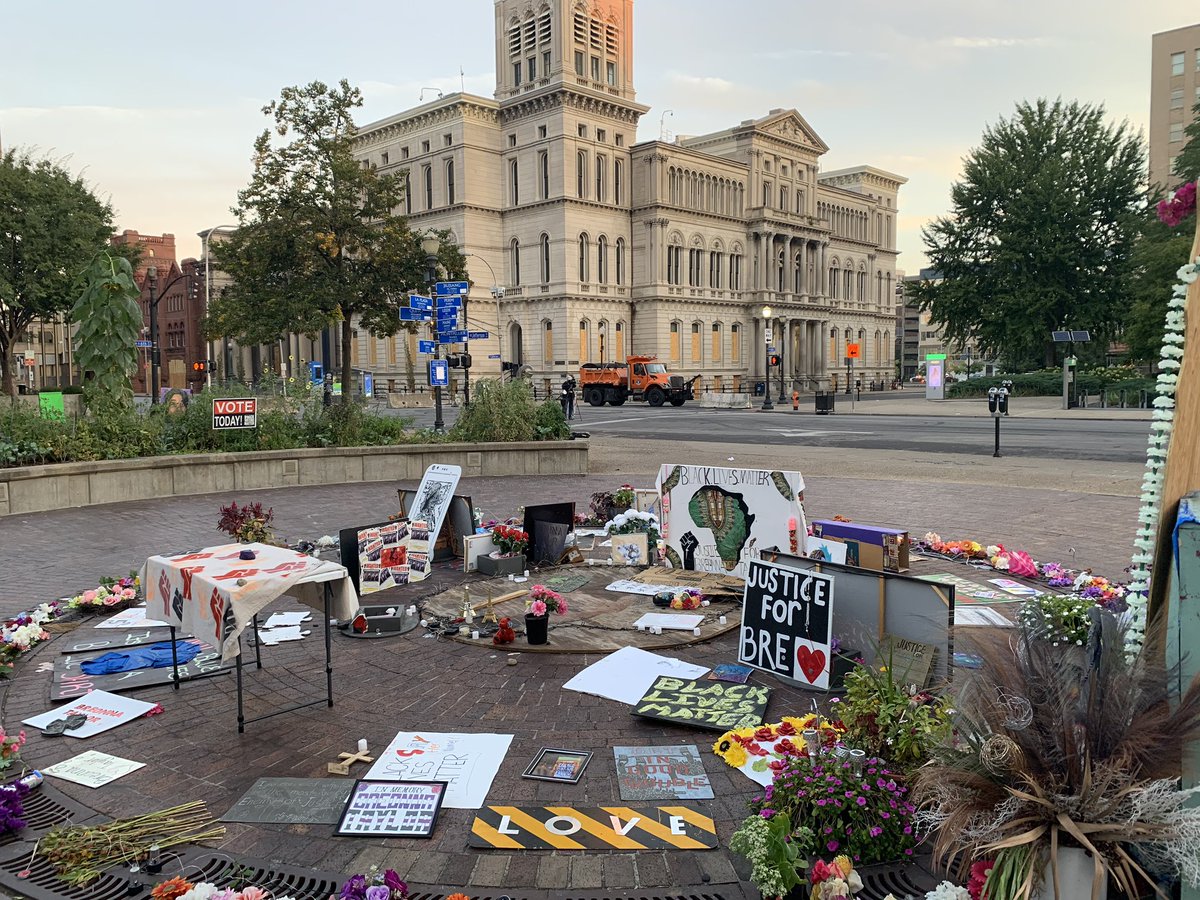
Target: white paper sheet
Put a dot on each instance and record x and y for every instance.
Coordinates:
(92, 768)
(286, 619)
(677, 621)
(104, 711)
(627, 674)
(130, 618)
(625, 586)
(467, 762)
(275, 636)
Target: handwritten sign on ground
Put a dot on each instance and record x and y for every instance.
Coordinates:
(662, 773)
(787, 622)
(103, 711)
(466, 762)
(392, 809)
(292, 801)
(593, 828)
(910, 661)
(715, 705)
(103, 642)
(68, 681)
(92, 768)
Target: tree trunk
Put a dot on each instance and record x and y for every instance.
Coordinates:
(7, 383)
(347, 362)
(1051, 362)
(409, 368)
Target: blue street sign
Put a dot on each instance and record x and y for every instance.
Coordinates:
(451, 313)
(439, 372)
(477, 335)
(451, 337)
(493, 356)
(368, 385)
(451, 288)
(413, 315)
(426, 346)
(143, 343)
(416, 301)
(449, 302)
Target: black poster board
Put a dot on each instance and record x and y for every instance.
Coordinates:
(546, 543)
(712, 705)
(292, 801)
(348, 546)
(68, 682)
(787, 622)
(392, 809)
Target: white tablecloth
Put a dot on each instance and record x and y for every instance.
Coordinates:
(214, 594)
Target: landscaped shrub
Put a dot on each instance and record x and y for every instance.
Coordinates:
(499, 411)
(1048, 383)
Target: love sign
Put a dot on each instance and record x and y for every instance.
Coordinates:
(787, 622)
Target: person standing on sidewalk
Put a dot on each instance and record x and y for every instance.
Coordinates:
(568, 397)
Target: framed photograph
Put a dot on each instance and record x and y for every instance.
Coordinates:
(630, 549)
(392, 809)
(558, 765)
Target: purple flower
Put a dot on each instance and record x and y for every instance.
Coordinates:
(355, 888)
(395, 882)
(767, 813)
(876, 831)
(829, 829)
(861, 801)
(885, 815)
(832, 846)
(821, 802)
(379, 892)
(908, 829)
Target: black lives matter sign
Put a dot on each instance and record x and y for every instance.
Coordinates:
(715, 705)
(787, 620)
(240, 412)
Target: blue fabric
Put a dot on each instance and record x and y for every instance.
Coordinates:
(151, 656)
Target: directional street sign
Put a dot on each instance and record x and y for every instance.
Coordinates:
(416, 301)
(143, 343)
(493, 356)
(439, 372)
(426, 346)
(451, 337)
(450, 314)
(413, 315)
(451, 288)
(449, 302)
(478, 335)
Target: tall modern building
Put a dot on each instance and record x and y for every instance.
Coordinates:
(605, 246)
(1174, 93)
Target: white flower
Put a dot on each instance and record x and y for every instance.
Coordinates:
(1187, 274)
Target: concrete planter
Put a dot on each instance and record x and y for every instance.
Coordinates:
(40, 488)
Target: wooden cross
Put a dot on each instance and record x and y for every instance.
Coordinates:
(346, 760)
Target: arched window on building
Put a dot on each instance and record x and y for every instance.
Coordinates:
(735, 271)
(581, 174)
(697, 347)
(602, 260)
(675, 343)
(450, 194)
(514, 183)
(674, 262)
(618, 181)
(545, 259)
(427, 175)
(407, 194)
(877, 359)
(514, 262)
(544, 174)
(797, 271)
(620, 261)
(888, 348)
(619, 347)
(601, 178)
(715, 349)
(833, 283)
(584, 341)
(583, 258)
(714, 269)
(547, 343)
(780, 270)
(735, 343)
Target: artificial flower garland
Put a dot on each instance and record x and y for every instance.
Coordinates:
(1162, 424)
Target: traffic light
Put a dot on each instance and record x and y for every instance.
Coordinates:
(773, 360)
(200, 366)
(452, 360)
(464, 360)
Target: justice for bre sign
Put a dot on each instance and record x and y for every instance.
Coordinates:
(241, 412)
(787, 621)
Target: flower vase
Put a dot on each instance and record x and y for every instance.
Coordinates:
(502, 565)
(537, 628)
(1076, 872)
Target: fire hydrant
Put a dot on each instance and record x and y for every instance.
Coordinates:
(795, 401)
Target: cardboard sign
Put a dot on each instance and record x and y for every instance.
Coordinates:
(427, 513)
(92, 768)
(103, 711)
(392, 809)
(626, 674)
(911, 661)
(292, 801)
(467, 763)
(135, 617)
(714, 705)
(662, 773)
(787, 623)
(718, 520)
(593, 828)
(232, 413)
(68, 681)
(103, 643)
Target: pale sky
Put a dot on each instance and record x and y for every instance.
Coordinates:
(159, 103)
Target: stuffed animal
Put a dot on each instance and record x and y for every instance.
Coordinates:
(505, 633)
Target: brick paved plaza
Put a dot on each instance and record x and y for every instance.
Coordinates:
(411, 682)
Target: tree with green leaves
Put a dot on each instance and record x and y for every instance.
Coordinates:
(109, 317)
(51, 225)
(1041, 234)
(319, 241)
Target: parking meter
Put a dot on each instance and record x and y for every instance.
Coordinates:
(1005, 392)
(994, 400)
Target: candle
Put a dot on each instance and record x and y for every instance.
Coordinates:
(412, 610)
(722, 620)
(696, 632)
(591, 562)
(704, 603)
(424, 623)
(856, 760)
(526, 573)
(391, 611)
(641, 627)
(362, 745)
(811, 742)
(474, 635)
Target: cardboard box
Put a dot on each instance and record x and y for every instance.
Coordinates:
(867, 546)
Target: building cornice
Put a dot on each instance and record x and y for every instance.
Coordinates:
(455, 107)
(542, 102)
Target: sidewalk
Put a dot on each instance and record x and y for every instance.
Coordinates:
(1019, 407)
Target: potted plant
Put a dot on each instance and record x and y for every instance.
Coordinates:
(1066, 765)
(542, 601)
(509, 557)
(249, 524)
(111, 595)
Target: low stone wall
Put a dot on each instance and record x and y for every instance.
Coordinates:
(40, 488)
(710, 400)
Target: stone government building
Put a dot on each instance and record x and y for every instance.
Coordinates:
(605, 246)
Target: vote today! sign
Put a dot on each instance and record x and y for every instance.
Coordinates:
(787, 622)
(231, 413)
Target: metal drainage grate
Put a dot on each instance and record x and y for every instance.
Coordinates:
(300, 884)
(43, 882)
(45, 808)
(899, 881)
(526, 895)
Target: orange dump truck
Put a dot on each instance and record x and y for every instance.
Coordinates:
(638, 378)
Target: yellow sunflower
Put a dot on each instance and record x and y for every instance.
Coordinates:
(736, 756)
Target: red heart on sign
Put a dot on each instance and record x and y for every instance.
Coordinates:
(812, 662)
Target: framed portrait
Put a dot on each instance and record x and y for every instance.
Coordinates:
(553, 764)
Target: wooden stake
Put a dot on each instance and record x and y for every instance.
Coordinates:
(503, 598)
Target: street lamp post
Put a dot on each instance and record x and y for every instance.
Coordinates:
(431, 245)
(766, 314)
(152, 281)
(497, 295)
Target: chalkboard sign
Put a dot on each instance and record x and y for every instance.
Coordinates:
(292, 801)
(787, 622)
(69, 682)
(110, 641)
(714, 705)
(392, 808)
